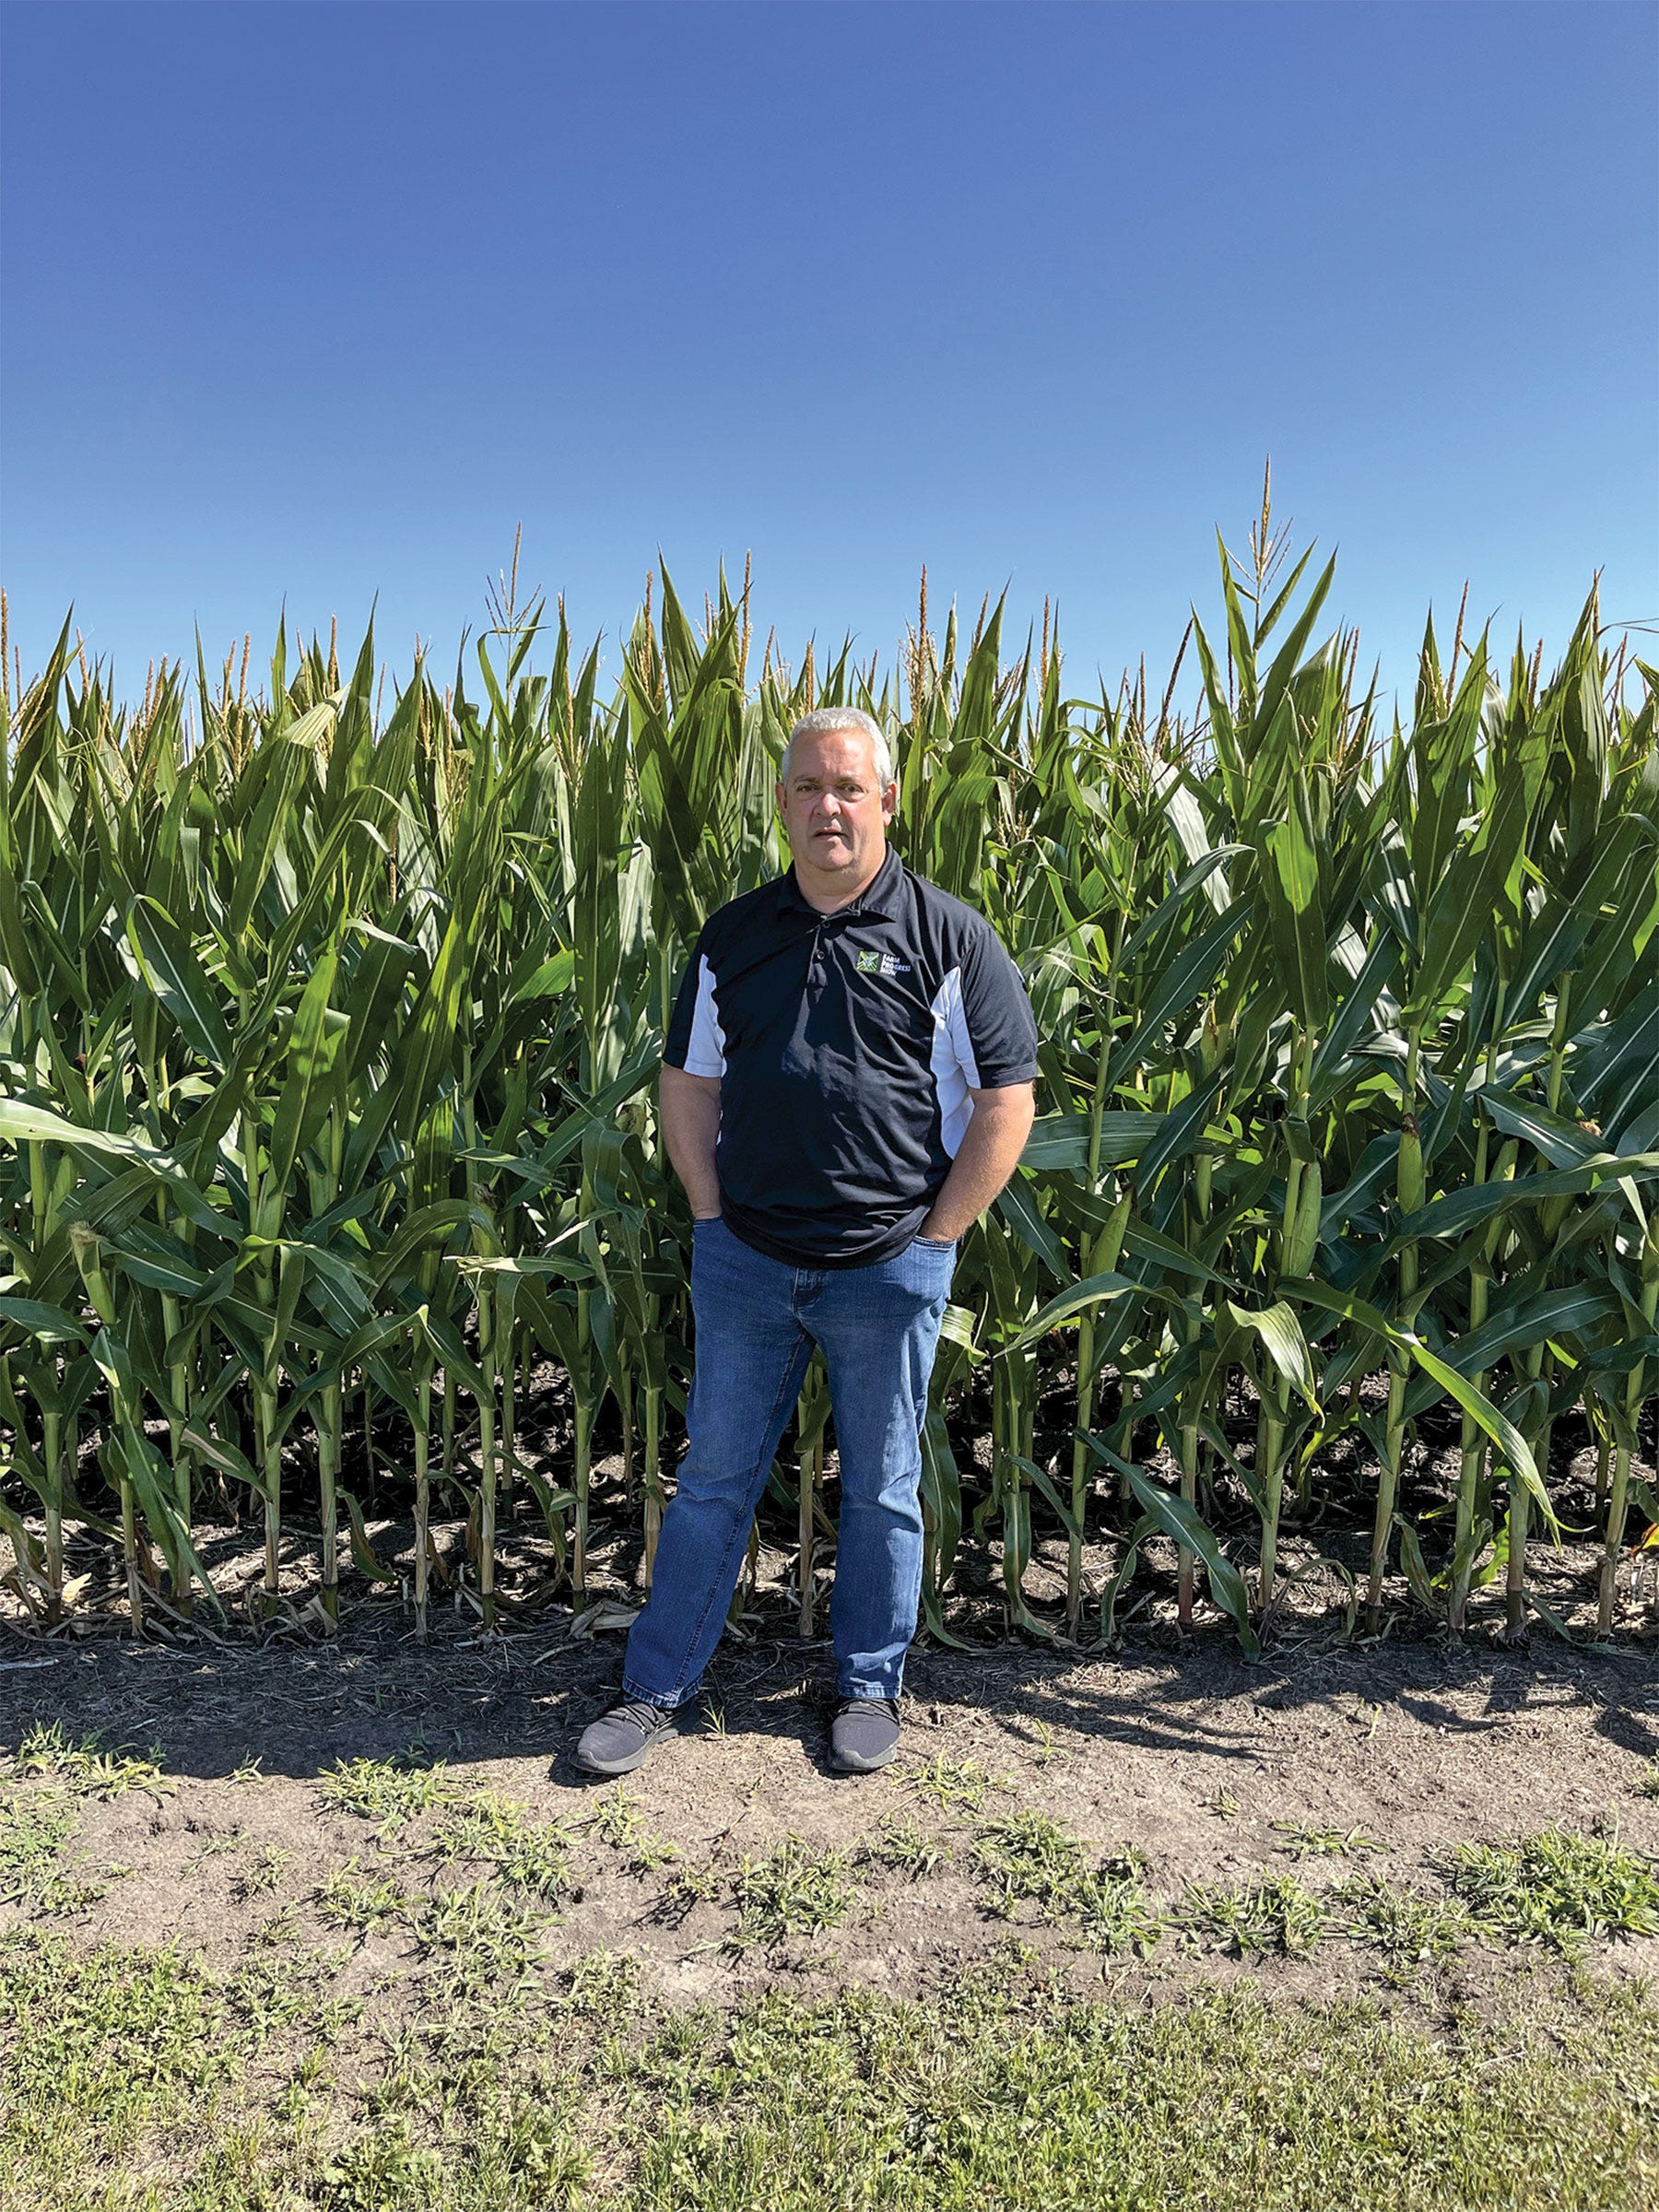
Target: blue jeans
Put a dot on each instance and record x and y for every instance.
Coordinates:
(758, 1320)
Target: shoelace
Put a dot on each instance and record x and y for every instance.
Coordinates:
(642, 1713)
(888, 1705)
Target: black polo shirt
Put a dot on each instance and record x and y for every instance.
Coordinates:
(846, 1044)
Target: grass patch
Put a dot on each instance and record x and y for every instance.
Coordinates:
(1030, 1857)
(130, 2077)
(136, 2077)
(361, 1904)
(98, 2055)
(88, 1767)
(1008, 2094)
(36, 1824)
(792, 1891)
(902, 1847)
(1411, 1929)
(955, 1785)
(1307, 1842)
(1557, 1888)
(531, 1855)
(390, 1791)
(1271, 1915)
(34, 1827)
(620, 1822)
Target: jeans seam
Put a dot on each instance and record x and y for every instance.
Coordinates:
(741, 1537)
(643, 1696)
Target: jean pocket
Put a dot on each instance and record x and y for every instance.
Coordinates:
(935, 1243)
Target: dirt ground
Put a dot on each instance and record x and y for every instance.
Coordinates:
(1188, 1758)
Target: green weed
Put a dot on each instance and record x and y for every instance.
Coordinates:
(1558, 1889)
(693, 1882)
(86, 1767)
(954, 1786)
(532, 1856)
(602, 1985)
(349, 1899)
(1032, 1857)
(1029, 1855)
(1410, 1929)
(34, 1826)
(260, 1878)
(489, 1937)
(282, 1927)
(219, 1845)
(792, 1891)
(902, 1847)
(390, 1791)
(1272, 1914)
(620, 1822)
(382, 2169)
(1305, 1842)
(1111, 1908)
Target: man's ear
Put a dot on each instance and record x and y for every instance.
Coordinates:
(890, 801)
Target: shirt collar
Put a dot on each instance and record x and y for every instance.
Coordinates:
(882, 896)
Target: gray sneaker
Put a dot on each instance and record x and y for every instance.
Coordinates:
(864, 1734)
(621, 1739)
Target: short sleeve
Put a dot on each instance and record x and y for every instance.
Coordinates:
(1001, 1030)
(696, 1041)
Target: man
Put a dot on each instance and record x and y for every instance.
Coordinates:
(847, 1084)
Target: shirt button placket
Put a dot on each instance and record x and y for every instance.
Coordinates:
(809, 1281)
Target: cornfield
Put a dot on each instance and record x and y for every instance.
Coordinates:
(329, 1028)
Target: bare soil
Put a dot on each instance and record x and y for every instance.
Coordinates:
(1175, 1748)
(1195, 1759)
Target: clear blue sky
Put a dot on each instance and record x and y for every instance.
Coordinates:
(316, 301)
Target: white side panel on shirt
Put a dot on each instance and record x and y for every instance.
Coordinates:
(705, 1055)
(952, 1061)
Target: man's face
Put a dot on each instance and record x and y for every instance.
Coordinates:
(834, 807)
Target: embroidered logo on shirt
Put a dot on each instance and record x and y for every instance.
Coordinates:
(882, 963)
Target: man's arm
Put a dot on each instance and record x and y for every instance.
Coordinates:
(990, 1151)
(689, 1110)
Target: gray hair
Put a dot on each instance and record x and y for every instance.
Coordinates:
(824, 722)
